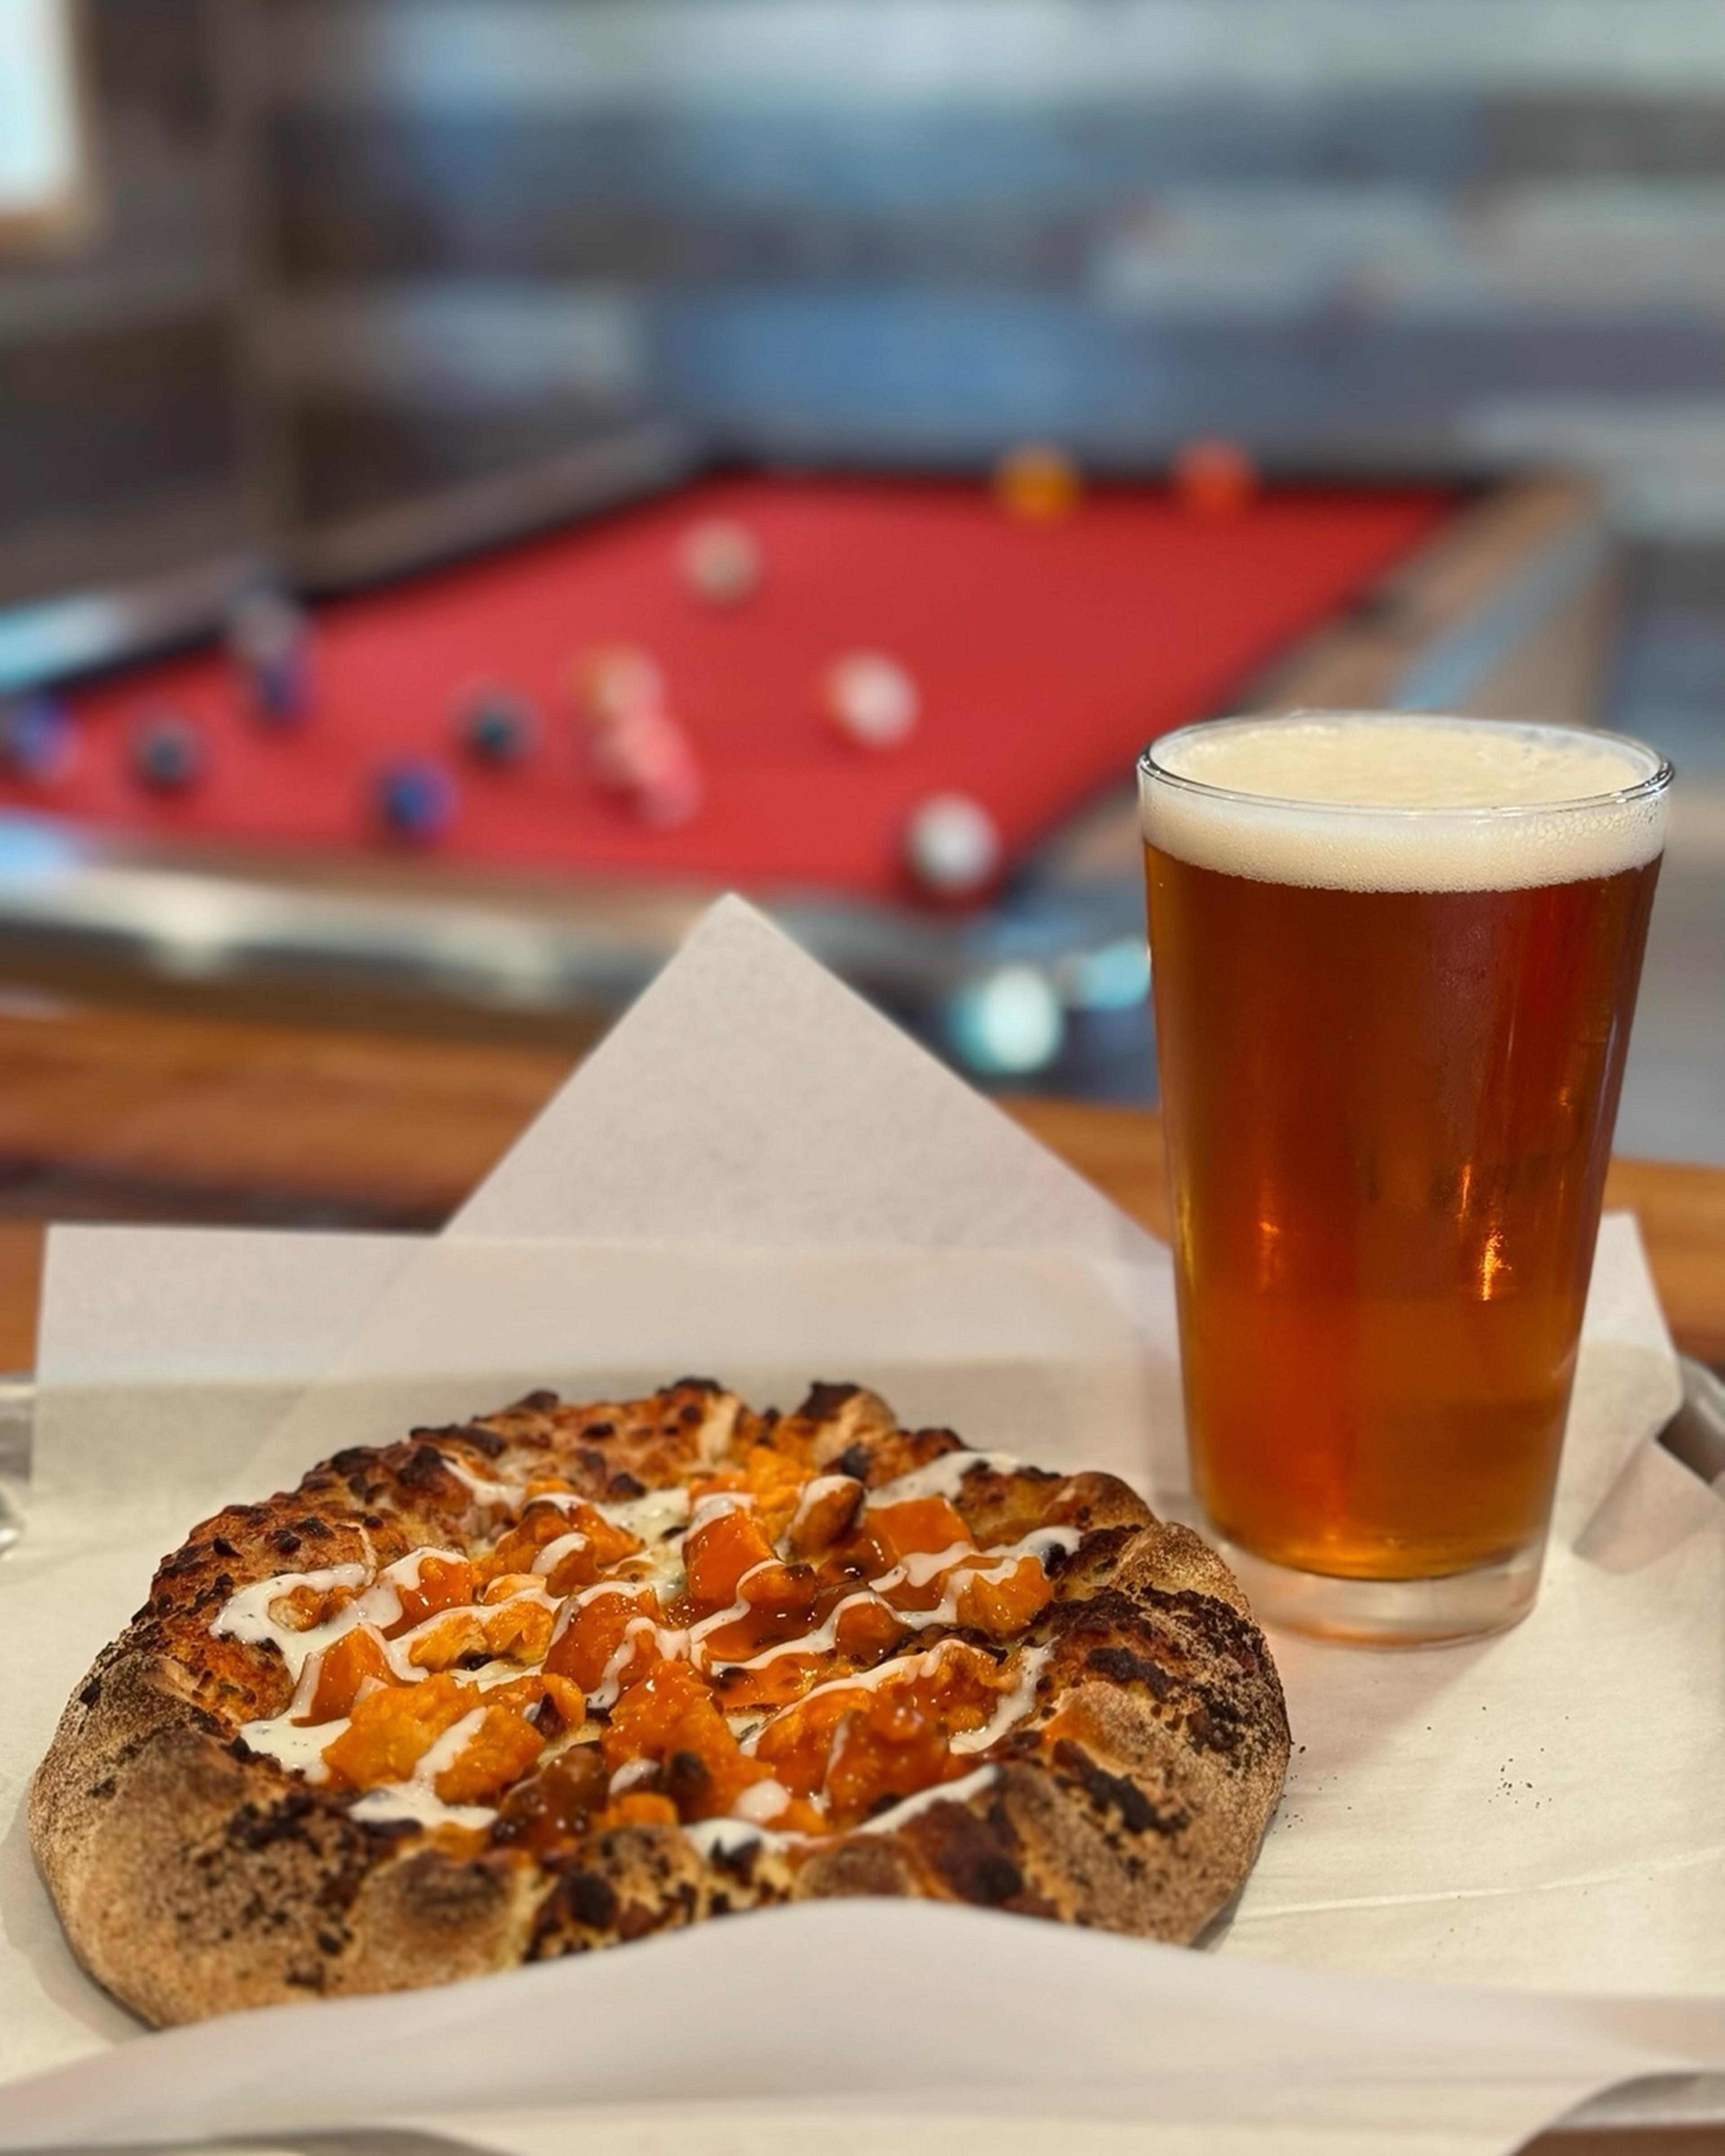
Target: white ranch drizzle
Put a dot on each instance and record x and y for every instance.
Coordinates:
(761, 1802)
(815, 1492)
(716, 1504)
(726, 1836)
(245, 1615)
(398, 1652)
(981, 1564)
(610, 1684)
(553, 1554)
(942, 1793)
(298, 1746)
(486, 1489)
(417, 1798)
(821, 1641)
(574, 1604)
(942, 1477)
(899, 1669)
(658, 1518)
(918, 1567)
(1013, 1706)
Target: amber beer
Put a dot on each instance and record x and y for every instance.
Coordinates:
(1394, 962)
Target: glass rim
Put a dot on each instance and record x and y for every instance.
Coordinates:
(1647, 788)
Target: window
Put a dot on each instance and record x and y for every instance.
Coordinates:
(44, 179)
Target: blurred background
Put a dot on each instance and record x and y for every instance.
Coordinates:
(303, 294)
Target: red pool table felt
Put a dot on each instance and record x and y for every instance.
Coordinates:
(1046, 653)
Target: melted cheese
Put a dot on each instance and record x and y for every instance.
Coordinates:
(659, 1520)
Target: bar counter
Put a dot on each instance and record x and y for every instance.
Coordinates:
(142, 1116)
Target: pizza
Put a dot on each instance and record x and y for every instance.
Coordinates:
(568, 1675)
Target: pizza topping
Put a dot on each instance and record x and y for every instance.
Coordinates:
(272, 1611)
(745, 1653)
(826, 1507)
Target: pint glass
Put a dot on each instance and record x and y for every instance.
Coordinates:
(1394, 961)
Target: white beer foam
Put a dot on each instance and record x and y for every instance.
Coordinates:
(1360, 801)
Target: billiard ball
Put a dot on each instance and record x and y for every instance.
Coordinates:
(613, 680)
(669, 790)
(953, 846)
(168, 754)
(870, 699)
(720, 561)
(497, 728)
(644, 757)
(281, 689)
(414, 799)
(270, 641)
(1038, 482)
(1214, 479)
(37, 741)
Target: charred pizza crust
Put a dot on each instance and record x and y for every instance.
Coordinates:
(194, 1876)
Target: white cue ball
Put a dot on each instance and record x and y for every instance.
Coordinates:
(720, 561)
(871, 700)
(952, 846)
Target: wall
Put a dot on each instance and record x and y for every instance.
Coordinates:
(120, 434)
(1413, 231)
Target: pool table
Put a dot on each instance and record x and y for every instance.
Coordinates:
(1044, 651)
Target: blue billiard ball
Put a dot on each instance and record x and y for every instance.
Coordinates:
(36, 737)
(415, 799)
(167, 753)
(281, 689)
(499, 728)
(270, 641)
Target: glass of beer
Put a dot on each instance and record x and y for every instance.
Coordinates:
(1395, 959)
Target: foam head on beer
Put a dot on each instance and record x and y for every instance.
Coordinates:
(1357, 801)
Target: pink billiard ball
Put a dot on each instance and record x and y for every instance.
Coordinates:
(613, 680)
(871, 700)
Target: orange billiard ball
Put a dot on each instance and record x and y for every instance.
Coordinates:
(1038, 482)
(1215, 478)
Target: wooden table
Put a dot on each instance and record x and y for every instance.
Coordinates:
(142, 1117)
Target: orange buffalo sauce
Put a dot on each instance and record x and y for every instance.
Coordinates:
(767, 1645)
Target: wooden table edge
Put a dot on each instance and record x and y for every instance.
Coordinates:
(1679, 1207)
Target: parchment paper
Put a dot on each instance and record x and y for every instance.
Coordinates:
(1539, 1810)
